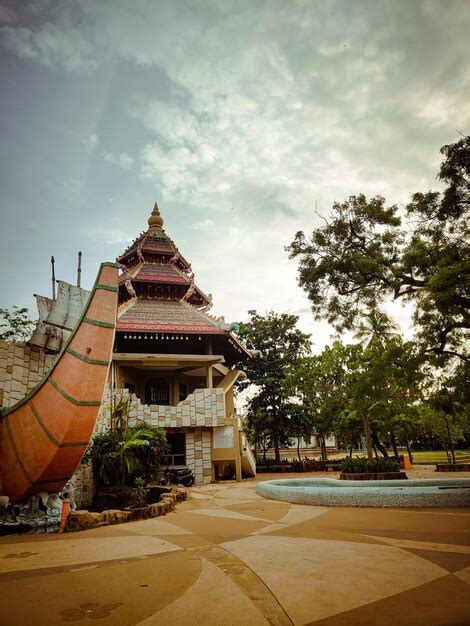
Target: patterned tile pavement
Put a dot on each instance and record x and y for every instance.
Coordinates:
(228, 556)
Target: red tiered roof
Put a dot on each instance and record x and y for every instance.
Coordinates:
(165, 316)
(158, 273)
(165, 306)
(158, 244)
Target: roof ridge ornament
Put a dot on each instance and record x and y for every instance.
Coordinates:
(155, 221)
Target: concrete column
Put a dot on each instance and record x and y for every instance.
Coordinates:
(209, 377)
(238, 454)
(175, 389)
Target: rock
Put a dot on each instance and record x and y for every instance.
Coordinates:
(81, 520)
(115, 516)
(168, 500)
(180, 494)
(84, 520)
(157, 509)
(141, 512)
(4, 502)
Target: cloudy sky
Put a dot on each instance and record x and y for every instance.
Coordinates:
(238, 117)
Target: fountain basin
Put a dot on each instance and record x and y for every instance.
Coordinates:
(432, 493)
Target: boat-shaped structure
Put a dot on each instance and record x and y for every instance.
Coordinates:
(45, 435)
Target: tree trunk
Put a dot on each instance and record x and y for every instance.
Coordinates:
(393, 441)
(379, 445)
(350, 451)
(265, 449)
(367, 433)
(408, 449)
(323, 454)
(277, 456)
(451, 443)
(446, 449)
(298, 450)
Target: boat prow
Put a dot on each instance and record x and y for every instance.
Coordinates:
(45, 435)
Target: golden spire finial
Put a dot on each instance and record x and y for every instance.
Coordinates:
(155, 220)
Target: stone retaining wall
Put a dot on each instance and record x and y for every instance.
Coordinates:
(85, 520)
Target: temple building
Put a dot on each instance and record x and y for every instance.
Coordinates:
(173, 362)
(176, 360)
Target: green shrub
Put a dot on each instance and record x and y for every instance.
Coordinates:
(308, 465)
(361, 465)
(138, 493)
(270, 461)
(122, 456)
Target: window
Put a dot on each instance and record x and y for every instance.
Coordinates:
(177, 444)
(157, 391)
(183, 392)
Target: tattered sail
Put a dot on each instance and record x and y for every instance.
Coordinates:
(58, 317)
(40, 336)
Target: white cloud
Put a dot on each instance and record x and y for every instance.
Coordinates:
(114, 233)
(7, 16)
(122, 160)
(443, 109)
(90, 142)
(256, 126)
(53, 46)
(203, 225)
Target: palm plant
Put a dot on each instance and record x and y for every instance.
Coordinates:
(124, 453)
(138, 444)
(375, 327)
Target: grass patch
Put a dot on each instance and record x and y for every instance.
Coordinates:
(439, 456)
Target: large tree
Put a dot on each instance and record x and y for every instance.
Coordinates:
(349, 390)
(383, 385)
(278, 344)
(445, 412)
(366, 253)
(319, 382)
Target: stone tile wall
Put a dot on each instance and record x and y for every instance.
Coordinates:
(21, 369)
(198, 438)
(203, 408)
(198, 454)
(81, 485)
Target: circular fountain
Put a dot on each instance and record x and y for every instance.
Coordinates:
(432, 493)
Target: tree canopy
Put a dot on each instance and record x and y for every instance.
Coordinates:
(15, 324)
(366, 253)
(319, 383)
(277, 343)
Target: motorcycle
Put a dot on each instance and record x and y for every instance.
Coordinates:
(174, 476)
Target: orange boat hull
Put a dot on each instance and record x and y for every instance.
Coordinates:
(45, 435)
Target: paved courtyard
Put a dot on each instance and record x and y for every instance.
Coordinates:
(227, 556)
